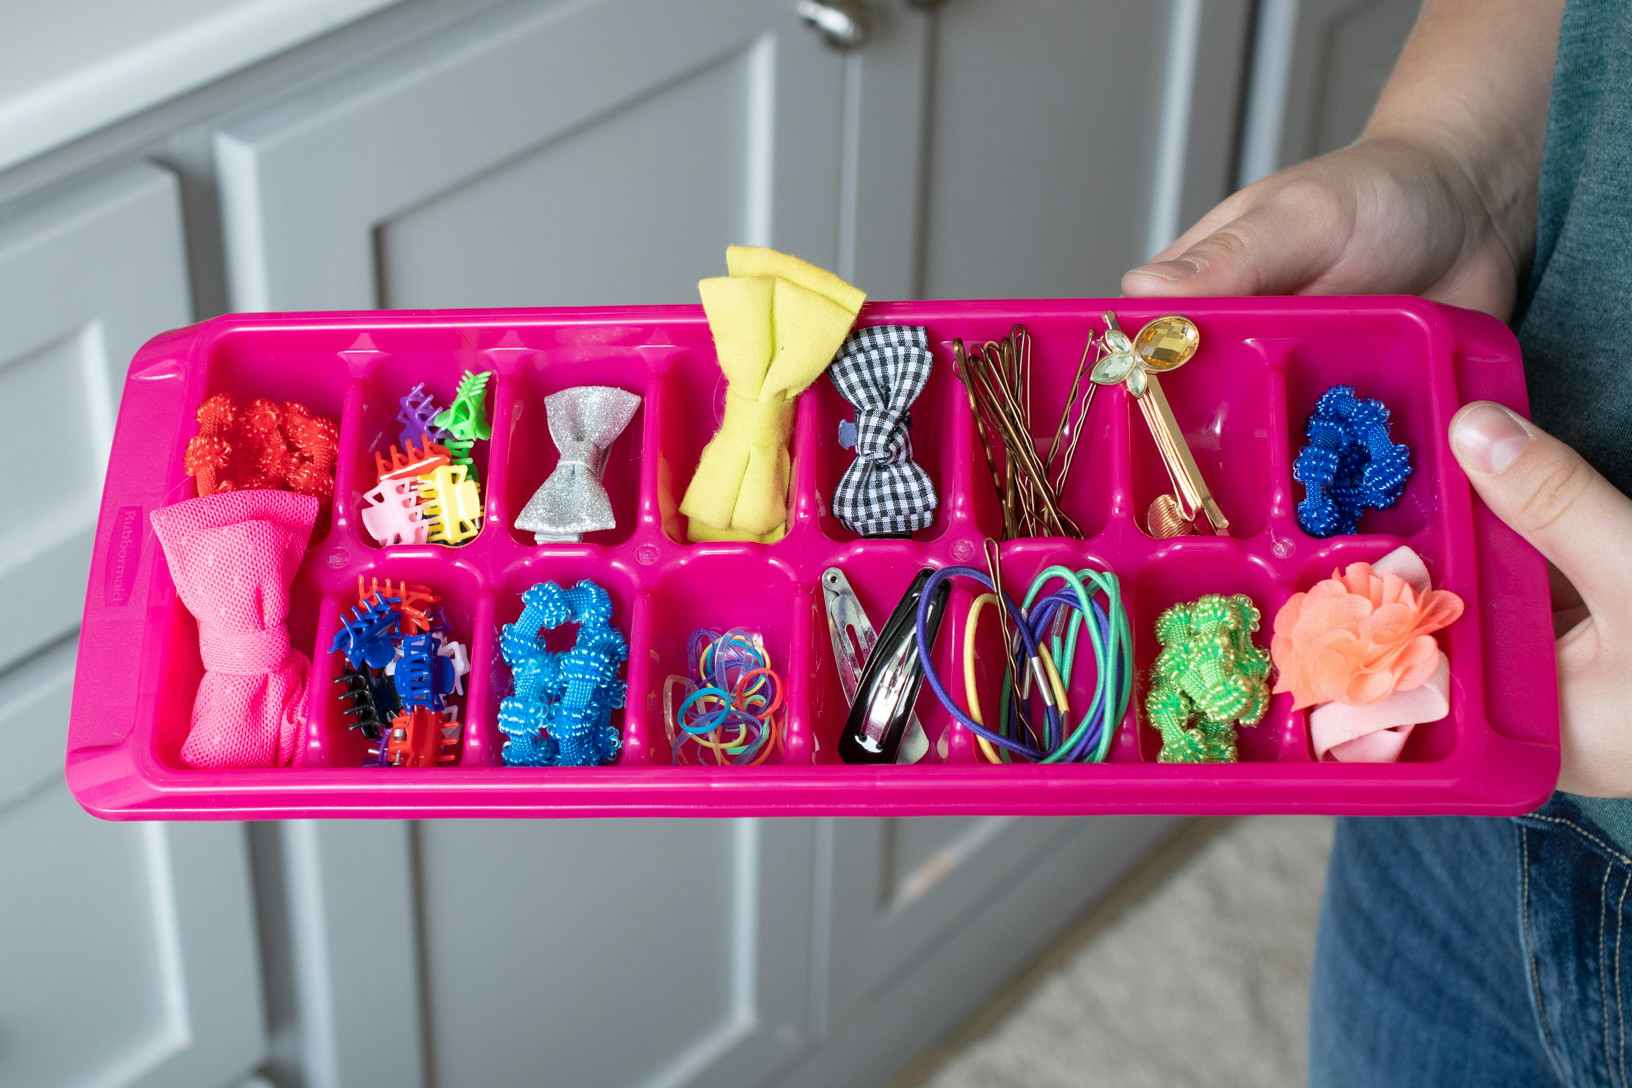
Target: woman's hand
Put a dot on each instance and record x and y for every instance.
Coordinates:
(1581, 523)
(1382, 216)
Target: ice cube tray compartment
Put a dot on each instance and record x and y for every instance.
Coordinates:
(1241, 403)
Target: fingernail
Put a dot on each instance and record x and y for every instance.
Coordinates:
(1488, 437)
(1176, 269)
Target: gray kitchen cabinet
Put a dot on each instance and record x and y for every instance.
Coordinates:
(128, 954)
(1318, 66)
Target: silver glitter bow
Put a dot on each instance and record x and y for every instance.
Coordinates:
(583, 421)
(881, 370)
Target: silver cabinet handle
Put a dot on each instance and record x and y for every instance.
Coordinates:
(841, 23)
(924, 5)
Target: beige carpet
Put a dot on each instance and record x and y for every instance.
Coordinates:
(1194, 972)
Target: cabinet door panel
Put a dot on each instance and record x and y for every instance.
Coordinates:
(129, 952)
(1051, 160)
(576, 153)
(595, 152)
(1318, 66)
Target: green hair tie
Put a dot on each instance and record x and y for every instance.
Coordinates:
(1208, 678)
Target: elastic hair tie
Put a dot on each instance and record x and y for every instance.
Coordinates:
(1351, 464)
(731, 712)
(1045, 661)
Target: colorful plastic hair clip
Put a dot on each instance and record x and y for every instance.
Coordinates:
(417, 413)
(423, 676)
(409, 462)
(366, 706)
(420, 737)
(391, 513)
(466, 418)
(415, 602)
(367, 634)
(452, 505)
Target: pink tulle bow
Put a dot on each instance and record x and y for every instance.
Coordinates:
(233, 556)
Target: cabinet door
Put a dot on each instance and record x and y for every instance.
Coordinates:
(129, 952)
(572, 153)
(600, 152)
(1005, 152)
(1010, 150)
(1317, 68)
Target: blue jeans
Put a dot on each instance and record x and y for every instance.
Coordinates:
(1457, 951)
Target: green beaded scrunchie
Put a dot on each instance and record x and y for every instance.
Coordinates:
(1208, 678)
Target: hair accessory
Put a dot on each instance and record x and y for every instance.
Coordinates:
(409, 463)
(853, 639)
(1040, 669)
(415, 603)
(391, 513)
(232, 558)
(452, 505)
(1350, 465)
(423, 676)
(466, 418)
(881, 370)
(776, 323)
(1208, 678)
(367, 634)
(314, 443)
(733, 708)
(1360, 648)
(419, 737)
(561, 710)
(366, 705)
(584, 422)
(889, 683)
(262, 446)
(417, 413)
(996, 377)
(1162, 345)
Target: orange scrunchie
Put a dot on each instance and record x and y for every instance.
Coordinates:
(1358, 637)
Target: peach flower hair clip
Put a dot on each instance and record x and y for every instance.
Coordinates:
(1359, 646)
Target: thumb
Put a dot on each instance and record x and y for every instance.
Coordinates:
(1551, 497)
(1277, 247)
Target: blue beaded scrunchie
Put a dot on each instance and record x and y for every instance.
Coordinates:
(1350, 465)
(561, 712)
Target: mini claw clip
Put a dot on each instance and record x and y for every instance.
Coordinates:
(415, 602)
(466, 418)
(423, 676)
(452, 504)
(367, 634)
(417, 413)
(408, 462)
(459, 453)
(420, 737)
(458, 659)
(392, 514)
(366, 705)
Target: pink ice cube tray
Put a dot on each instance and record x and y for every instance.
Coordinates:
(1242, 403)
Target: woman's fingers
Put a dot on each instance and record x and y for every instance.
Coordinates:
(1555, 500)
(1282, 243)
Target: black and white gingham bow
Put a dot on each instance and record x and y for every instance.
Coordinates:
(881, 370)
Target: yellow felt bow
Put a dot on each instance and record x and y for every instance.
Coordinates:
(777, 322)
